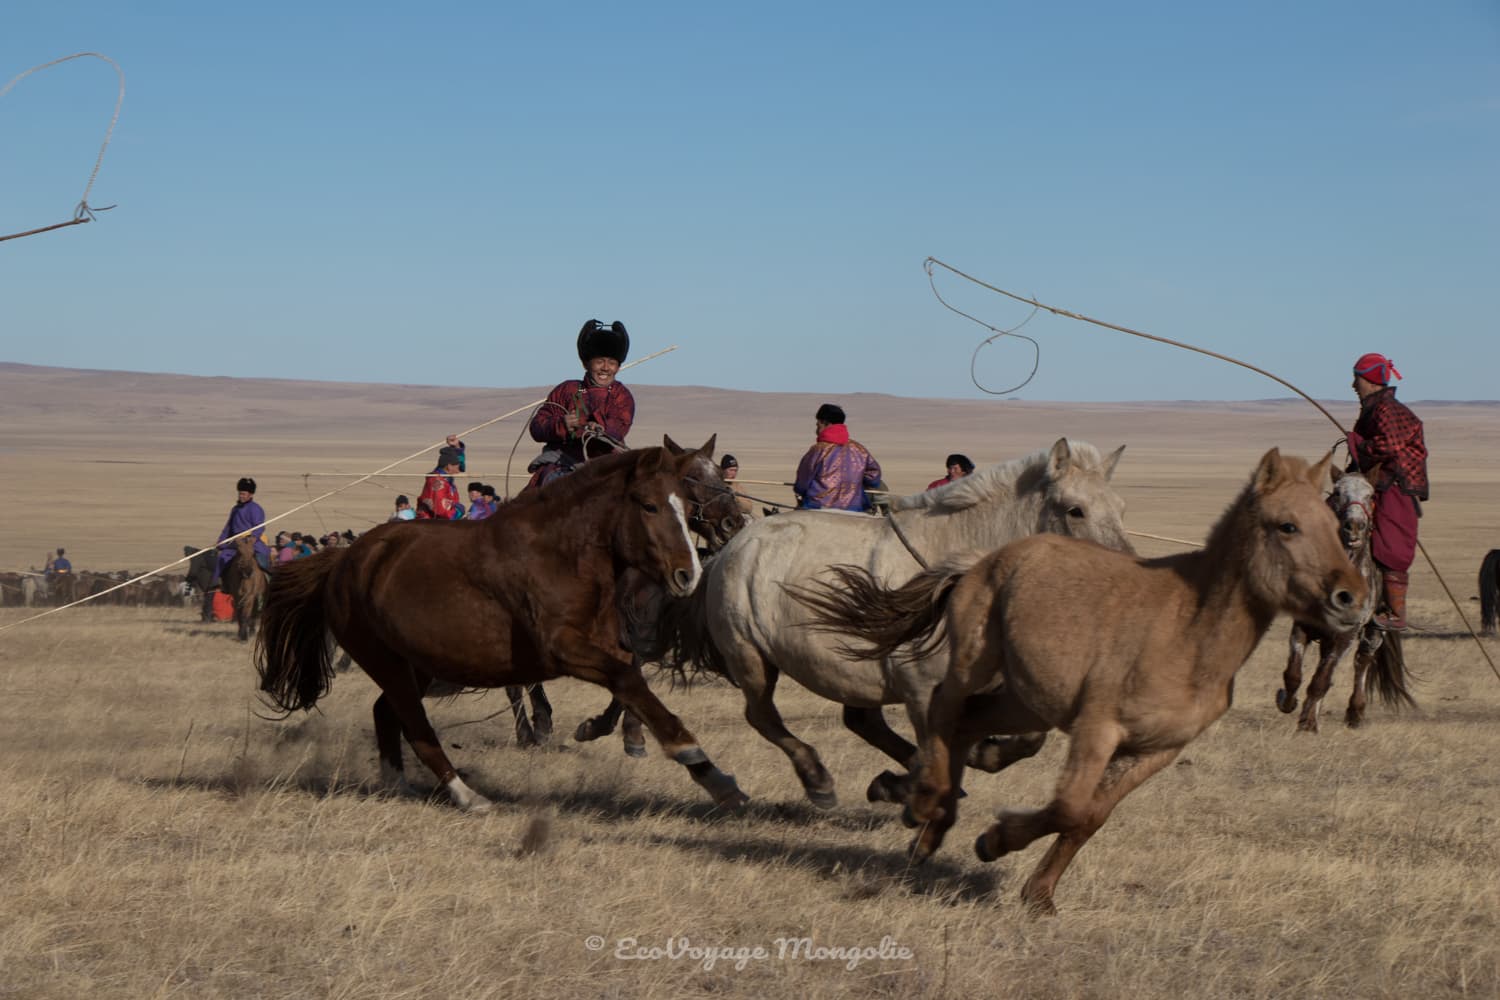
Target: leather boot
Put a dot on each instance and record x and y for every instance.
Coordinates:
(1393, 619)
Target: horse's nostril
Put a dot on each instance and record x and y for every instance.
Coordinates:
(1343, 599)
(682, 578)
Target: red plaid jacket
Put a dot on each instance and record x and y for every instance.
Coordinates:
(1390, 435)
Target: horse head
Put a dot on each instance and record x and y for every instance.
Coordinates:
(1077, 499)
(653, 533)
(1353, 503)
(1297, 561)
(712, 509)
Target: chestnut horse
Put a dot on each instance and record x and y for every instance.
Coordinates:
(1132, 657)
(244, 580)
(525, 595)
(713, 514)
(1379, 663)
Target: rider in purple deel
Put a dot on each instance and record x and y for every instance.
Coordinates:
(836, 470)
(245, 515)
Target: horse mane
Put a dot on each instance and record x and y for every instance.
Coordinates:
(992, 481)
(583, 480)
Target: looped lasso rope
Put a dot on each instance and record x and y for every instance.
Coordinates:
(83, 211)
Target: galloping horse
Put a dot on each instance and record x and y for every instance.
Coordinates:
(1353, 502)
(713, 514)
(246, 583)
(1132, 657)
(1489, 591)
(525, 595)
(743, 623)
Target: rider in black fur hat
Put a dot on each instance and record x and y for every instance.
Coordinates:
(591, 414)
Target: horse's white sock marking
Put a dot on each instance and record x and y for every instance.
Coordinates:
(465, 797)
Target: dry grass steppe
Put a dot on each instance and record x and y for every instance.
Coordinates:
(158, 839)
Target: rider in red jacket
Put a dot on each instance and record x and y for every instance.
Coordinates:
(1389, 436)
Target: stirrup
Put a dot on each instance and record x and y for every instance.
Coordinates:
(1388, 623)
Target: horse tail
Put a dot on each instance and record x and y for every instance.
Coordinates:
(684, 644)
(292, 653)
(883, 619)
(1489, 592)
(1388, 675)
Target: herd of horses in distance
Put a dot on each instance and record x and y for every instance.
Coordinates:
(994, 609)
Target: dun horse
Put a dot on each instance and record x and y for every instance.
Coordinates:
(246, 583)
(743, 623)
(1133, 658)
(1378, 663)
(525, 595)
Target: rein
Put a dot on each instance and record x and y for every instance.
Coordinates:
(890, 518)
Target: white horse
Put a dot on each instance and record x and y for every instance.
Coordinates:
(742, 621)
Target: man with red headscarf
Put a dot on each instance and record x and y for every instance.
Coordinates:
(1388, 436)
(837, 470)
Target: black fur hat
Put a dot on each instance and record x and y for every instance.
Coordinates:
(246, 484)
(596, 340)
(449, 456)
(831, 413)
(962, 461)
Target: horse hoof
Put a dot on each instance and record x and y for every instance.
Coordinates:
(886, 787)
(909, 818)
(982, 849)
(635, 749)
(585, 733)
(543, 730)
(917, 853)
(1286, 702)
(1354, 721)
(823, 800)
(734, 802)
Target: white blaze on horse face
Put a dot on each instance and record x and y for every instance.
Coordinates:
(687, 539)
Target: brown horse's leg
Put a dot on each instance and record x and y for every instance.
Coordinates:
(681, 745)
(1125, 773)
(1330, 652)
(1291, 677)
(583, 659)
(601, 725)
(633, 735)
(388, 741)
(404, 690)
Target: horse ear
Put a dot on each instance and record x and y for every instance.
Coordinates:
(670, 445)
(1112, 461)
(1318, 474)
(708, 446)
(1270, 471)
(1058, 458)
(654, 462)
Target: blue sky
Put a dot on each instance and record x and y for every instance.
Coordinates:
(378, 192)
